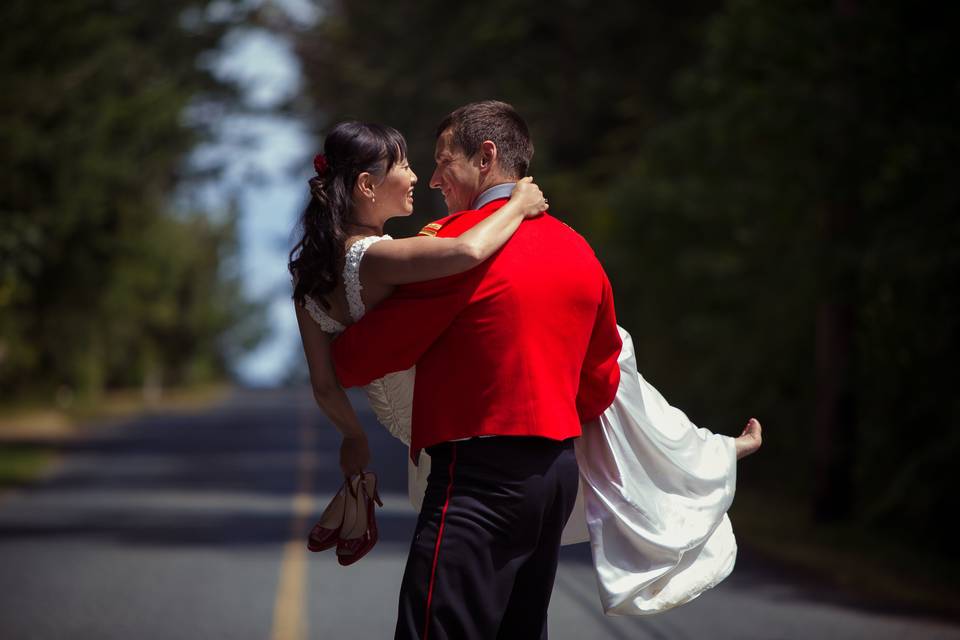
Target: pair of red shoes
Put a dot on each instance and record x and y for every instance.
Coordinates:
(348, 522)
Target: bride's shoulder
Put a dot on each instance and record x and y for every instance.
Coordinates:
(361, 243)
(353, 284)
(357, 248)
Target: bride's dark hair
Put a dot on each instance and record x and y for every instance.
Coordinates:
(350, 149)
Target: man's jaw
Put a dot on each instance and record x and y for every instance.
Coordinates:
(452, 206)
(456, 205)
(446, 202)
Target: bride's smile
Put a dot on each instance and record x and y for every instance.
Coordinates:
(396, 190)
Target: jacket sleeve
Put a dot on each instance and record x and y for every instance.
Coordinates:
(393, 335)
(600, 375)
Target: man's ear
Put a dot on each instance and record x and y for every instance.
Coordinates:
(488, 155)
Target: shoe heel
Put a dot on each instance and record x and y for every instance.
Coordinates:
(326, 532)
(351, 550)
(376, 491)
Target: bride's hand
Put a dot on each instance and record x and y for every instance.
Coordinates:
(750, 440)
(528, 195)
(354, 454)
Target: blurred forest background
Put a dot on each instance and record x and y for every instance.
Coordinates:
(104, 283)
(771, 187)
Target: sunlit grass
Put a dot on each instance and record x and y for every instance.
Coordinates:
(30, 431)
(20, 464)
(48, 417)
(131, 402)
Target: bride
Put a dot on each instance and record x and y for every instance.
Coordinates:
(655, 489)
(340, 267)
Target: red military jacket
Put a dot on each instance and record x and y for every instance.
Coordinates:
(525, 344)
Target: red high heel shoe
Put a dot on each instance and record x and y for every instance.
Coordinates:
(326, 532)
(359, 532)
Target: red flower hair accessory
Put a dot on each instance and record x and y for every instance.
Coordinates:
(320, 164)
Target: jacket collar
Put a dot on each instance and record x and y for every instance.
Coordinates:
(495, 192)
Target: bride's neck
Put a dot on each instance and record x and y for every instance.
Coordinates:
(358, 228)
(363, 221)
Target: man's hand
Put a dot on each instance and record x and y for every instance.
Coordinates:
(354, 454)
(750, 440)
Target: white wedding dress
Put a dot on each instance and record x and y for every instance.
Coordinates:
(654, 488)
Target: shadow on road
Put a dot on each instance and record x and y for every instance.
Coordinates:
(226, 478)
(222, 477)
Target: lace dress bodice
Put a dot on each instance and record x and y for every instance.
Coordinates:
(327, 324)
(391, 397)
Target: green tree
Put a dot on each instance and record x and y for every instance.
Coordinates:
(586, 80)
(97, 276)
(804, 182)
(768, 185)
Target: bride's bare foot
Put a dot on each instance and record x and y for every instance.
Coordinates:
(750, 440)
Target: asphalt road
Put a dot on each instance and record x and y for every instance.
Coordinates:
(192, 525)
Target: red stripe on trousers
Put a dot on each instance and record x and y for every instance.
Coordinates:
(436, 548)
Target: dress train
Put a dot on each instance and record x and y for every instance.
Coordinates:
(653, 500)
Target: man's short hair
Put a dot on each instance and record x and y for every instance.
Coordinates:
(498, 122)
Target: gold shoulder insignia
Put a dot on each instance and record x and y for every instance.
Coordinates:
(431, 229)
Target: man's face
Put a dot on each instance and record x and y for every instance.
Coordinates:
(457, 176)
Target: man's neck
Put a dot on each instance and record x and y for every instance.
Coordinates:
(493, 192)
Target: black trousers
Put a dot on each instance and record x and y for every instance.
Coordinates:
(484, 553)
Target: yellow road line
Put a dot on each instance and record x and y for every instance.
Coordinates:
(289, 622)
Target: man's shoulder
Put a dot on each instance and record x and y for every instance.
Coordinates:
(564, 230)
(558, 229)
(434, 227)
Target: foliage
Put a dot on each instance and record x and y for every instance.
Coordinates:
(808, 172)
(100, 285)
(768, 185)
(410, 64)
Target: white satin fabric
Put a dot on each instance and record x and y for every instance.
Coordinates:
(656, 490)
(391, 398)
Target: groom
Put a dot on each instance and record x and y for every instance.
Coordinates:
(511, 358)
